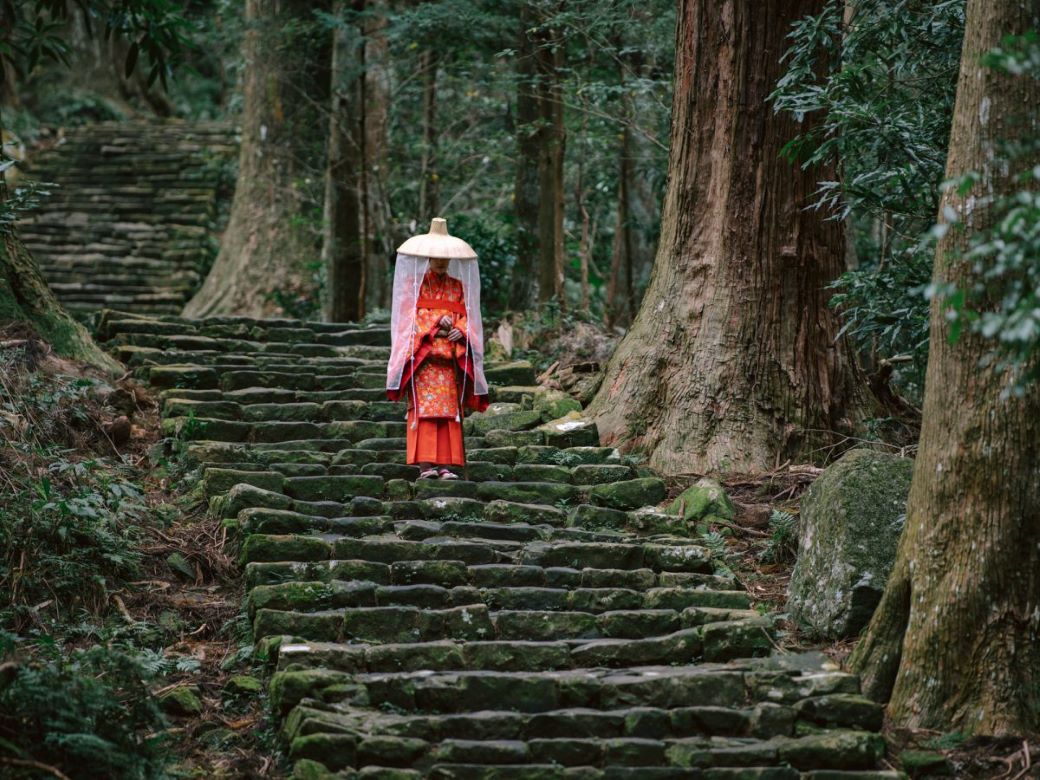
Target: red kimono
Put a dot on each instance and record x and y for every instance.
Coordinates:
(432, 376)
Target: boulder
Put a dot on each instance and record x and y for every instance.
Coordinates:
(702, 503)
(182, 701)
(552, 404)
(571, 430)
(851, 520)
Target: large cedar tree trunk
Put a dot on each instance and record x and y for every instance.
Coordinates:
(343, 247)
(733, 362)
(955, 641)
(262, 249)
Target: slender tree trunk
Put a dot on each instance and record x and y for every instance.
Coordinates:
(262, 249)
(955, 641)
(429, 191)
(584, 246)
(617, 258)
(620, 304)
(549, 62)
(343, 250)
(643, 202)
(378, 238)
(733, 362)
(529, 137)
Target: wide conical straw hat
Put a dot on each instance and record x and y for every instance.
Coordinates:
(437, 243)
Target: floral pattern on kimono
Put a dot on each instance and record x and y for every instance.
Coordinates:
(436, 389)
(439, 363)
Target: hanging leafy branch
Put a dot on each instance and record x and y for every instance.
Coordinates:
(34, 32)
(882, 77)
(1002, 304)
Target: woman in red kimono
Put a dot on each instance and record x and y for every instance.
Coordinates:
(436, 357)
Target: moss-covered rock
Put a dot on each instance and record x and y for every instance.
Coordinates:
(499, 438)
(335, 751)
(499, 511)
(571, 430)
(630, 494)
(502, 417)
(288, 688)
(181, 701)
(925, 763)
(265, 547)
(219, 480)
(839, 749)
(851, 520)
(552, 404)
(242, 496)
(702, 502)
(308, 769)
(243, 684)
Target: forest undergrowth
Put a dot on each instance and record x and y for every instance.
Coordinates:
(123, 648)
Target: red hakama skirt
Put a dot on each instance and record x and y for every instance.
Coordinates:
(435, 440)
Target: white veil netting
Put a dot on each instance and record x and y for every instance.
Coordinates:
(409, 272)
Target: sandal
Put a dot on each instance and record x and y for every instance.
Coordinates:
(446, 474)
(431, 473)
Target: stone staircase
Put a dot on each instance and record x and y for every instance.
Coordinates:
(538, 619)
(131, 223)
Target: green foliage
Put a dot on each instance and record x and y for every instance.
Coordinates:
(86, 712)
(617, 73)
(948, 741)
(68, 528)
(885, 312)
(565, 458)
(722, 556)
(19, 201)
(1001, 300)
(494, 241)
(58, 105)
(37, 31)
(880, 89)
(782, 545)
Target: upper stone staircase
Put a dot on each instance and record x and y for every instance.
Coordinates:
(131, 223)
(537, 619)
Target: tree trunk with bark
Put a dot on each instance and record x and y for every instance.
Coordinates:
(343, 248)
(429, 189)
(733, 362)
(529, 138)
(549, 65)
(379, 240)
(620, 304)
(263, 249)
(25, 297)
(955, 641)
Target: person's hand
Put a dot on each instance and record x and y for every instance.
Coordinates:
(455, 335)
(445, 321)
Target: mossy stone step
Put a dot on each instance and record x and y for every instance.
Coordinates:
(734, 685)
(457, 572)
(310, 596)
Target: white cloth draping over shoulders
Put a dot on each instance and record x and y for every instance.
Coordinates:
(409, 272)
